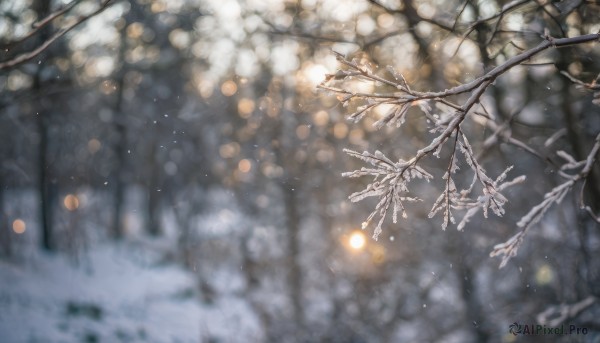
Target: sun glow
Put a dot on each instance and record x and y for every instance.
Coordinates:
(357, 240)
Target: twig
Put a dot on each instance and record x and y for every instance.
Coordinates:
(509, 249)
(500, 14)
(40, 24)
(403, 12)
(556, 315)
(11, 63)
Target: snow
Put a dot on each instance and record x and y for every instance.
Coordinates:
(123, 292)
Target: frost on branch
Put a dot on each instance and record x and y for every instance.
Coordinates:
(509, 249)
(390, 180)
(400, 101)
(454, 105)
(452, 199)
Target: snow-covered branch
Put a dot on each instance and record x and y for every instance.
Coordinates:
(391, 178)
(390, 181)
(509, 249)
(556, 315)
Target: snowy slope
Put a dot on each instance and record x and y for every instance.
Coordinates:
(116, 293)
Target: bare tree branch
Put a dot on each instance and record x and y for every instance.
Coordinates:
(503, 132)
(556, 315)
(37, 26)
(25, 57)
(506, 9)
(418, 17)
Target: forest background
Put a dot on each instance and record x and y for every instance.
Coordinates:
(209, 137)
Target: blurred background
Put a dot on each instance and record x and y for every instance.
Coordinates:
(170, 173)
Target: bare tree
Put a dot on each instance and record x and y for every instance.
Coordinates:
(50, 28)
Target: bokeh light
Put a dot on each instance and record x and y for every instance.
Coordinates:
(94, 145)
(71, 202)
(544, 275)
(19, 226)
(228, 88)
(245, 107)
(244, 165)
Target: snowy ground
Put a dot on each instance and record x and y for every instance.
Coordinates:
(116, 293)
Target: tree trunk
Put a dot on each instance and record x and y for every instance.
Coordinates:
(474, 313)
(293, 244)
(120, 147)
(46, 188)
(5, 226)
(284, 129)
(153, 195)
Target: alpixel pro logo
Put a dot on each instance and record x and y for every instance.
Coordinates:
(536, 329)
(515, 328)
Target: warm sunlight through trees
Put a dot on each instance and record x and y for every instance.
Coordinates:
(215, 170)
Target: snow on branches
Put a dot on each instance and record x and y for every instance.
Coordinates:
(490, 199)
(391, 179)
(389, 182)
(508, 249)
